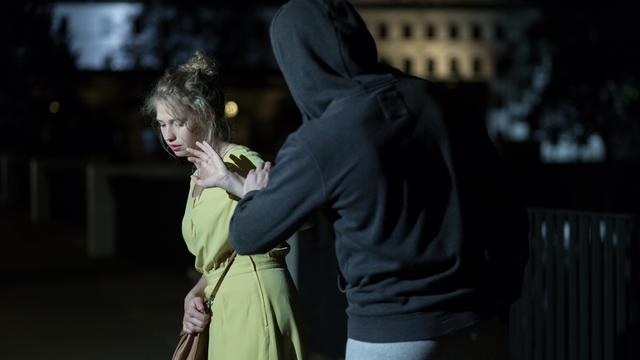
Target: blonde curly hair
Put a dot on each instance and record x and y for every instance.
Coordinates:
(193, 91)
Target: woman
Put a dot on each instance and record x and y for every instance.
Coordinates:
(254, 315)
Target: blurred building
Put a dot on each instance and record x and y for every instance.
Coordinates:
(450, 40)
(481, 42)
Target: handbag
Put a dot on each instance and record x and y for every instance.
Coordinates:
(196, 346)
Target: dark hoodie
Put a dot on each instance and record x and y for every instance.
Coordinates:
(428, 239)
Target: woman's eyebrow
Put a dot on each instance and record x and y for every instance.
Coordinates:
(169, 120)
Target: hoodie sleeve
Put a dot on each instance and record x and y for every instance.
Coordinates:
(268, 217)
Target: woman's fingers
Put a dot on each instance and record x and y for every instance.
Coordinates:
(211, 155)
(259, 176)
(195, 322)
(197, 153)
(194, 160)
(195, 319)
(199, 319)
(263, 178)
(203, 146)
(212, 152)
(256, 179)
(191, 328)
(208, 149)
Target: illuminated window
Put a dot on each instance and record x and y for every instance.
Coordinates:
(407, 65)
(453, 31)
(454, 67)
(382, 31)
(476, 32)
(431, 67)
(477, 66)
(430, 31)
(407, 31)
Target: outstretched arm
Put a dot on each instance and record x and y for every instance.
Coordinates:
(266, 218)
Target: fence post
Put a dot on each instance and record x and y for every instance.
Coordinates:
(573, 280)
(100, 213)
(39, 192)
(4, 179)
(597, 288)
(580, 298)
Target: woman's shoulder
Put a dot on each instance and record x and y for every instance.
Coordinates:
(238, 150)
(242, 159)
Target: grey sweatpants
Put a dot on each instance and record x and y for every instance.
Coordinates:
(485, 341)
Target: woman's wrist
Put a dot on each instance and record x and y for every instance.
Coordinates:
(235, 184)
(193, 294)
(188, 297)
(226, 182)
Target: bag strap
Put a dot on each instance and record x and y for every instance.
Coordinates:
(224, 273)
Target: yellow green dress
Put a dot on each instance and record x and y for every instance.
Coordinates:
(255, 313)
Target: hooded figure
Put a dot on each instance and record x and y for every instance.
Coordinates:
(428, 240)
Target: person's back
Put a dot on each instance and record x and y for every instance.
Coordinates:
(427, 237)
(417, 209)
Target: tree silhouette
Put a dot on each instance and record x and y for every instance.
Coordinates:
(167, 35)
(595, 83)
(37, 94)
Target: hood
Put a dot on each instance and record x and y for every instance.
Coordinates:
(324, 51)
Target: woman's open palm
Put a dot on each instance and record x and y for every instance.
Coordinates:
(212, 171)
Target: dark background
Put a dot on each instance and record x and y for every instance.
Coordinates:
(66, 117)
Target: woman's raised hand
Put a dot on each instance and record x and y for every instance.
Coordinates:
(212, 172)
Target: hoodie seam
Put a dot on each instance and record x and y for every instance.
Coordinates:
(331, 15)
(318, 168)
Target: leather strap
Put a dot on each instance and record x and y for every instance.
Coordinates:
(219, 282)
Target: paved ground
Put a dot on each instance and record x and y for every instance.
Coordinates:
(55, 303)
(95, 315)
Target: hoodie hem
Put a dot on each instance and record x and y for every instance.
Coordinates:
(413, 327)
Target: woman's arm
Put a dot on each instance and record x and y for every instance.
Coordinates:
(197, 290)
(195, 317)
(212, 171)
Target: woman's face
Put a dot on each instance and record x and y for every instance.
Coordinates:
(175, 132)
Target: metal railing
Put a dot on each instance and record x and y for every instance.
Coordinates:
(579, 299)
